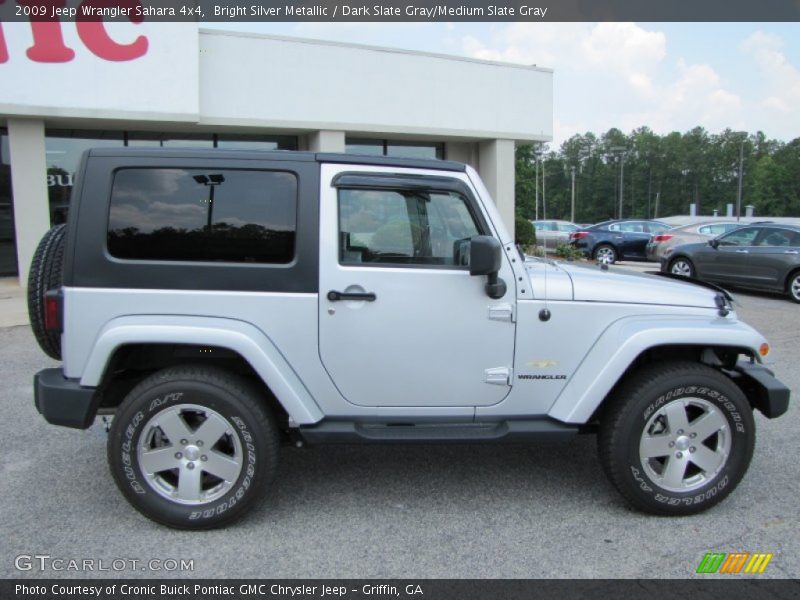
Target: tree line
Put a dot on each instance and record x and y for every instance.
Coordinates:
(661, 175)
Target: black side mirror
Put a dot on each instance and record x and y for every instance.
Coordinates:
(486, 258)
(714, 243)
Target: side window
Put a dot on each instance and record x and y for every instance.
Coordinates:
(403, 227)
(656, 227)
(632, 227)
(717, 228)
(238, 216)
(740, 237)
(777, 237)
(567, 227)
(614, 227)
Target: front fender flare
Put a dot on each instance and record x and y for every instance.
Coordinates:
(238, 336)
(626, 339)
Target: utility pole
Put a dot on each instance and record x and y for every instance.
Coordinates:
(572, 212)
(739, 194)
(655, 214)
(537, 186)
(621, 151)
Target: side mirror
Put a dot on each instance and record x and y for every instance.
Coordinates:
(486, 258)
(714, 243)
(485, 255)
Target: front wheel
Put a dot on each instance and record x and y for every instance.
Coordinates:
(677, 439)
(193, 447)
(682, 267)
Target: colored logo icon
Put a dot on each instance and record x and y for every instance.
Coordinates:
(736, 562)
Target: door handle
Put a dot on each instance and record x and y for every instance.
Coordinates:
(335, 296)
(742, 252)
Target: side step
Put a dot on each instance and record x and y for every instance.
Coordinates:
(351, 432)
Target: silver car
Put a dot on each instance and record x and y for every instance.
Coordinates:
(661, 245)
(553, 233)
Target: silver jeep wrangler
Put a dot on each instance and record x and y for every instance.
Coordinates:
(221, 304)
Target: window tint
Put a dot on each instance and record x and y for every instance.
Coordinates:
(404, 227)
(198, 215)
(740, 237)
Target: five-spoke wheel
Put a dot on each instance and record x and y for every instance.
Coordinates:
(677, 437)
(193, 447)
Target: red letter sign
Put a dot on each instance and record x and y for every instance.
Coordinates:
(3, 47)
(48, 43)
(96, 38)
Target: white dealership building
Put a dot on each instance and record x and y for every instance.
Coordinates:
(174, 84)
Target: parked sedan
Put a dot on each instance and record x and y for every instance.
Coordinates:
(611, 241)
(760, 257)
(553, 232)
(662, 244)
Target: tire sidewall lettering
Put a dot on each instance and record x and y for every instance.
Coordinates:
(737, 427)
(134, 477)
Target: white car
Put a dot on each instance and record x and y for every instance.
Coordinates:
(554, 232)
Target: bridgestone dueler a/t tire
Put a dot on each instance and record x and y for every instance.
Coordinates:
(233, 398)
(46, 274)
(642, 395)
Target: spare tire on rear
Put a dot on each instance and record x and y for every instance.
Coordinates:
(46, 274)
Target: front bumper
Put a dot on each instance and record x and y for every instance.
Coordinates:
(764, 391)
(63, 401)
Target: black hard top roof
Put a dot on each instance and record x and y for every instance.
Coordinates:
(278, 155)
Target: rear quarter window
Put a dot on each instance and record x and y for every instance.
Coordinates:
(185, 214)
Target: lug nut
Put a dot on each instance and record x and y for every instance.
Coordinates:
(677, 455)
(692, 435)
(199, 443)
(204, 458)
(692, 449)
(184, 442)
(190, 466)
(680, 431)
(672, 444)
(178, 455)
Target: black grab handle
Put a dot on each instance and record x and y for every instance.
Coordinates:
(335, 296)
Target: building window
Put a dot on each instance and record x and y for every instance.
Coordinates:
(146, 139)
(63, 153)
(251, 142)
(397, 148)
(239, 216)
(8, 247)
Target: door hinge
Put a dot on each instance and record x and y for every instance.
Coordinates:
(499, 376)
(501, 312)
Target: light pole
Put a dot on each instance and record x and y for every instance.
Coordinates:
(572, 212)
(621, 151)
(741, 167)
(211, 180)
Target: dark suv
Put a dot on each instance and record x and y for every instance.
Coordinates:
(611, 241)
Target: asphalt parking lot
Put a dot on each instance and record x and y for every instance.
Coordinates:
(412, 512)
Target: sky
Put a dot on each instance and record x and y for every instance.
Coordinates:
(667, 76)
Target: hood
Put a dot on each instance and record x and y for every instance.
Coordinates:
(593, 284)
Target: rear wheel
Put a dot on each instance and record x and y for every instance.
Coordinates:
(682, 266)
(46, 274)
(793, 286)
(606, 254)
(677, 439)
(193, 447)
